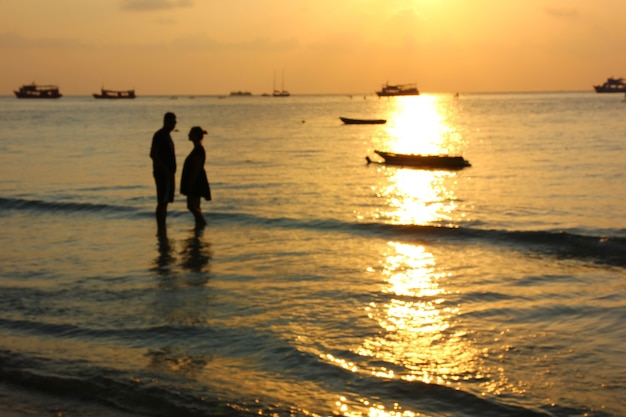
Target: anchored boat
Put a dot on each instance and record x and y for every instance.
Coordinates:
(423, 161)
(611, 85)
(282, 92)
(389, 90)
(38, 91)
(104, 93)
(350, 121)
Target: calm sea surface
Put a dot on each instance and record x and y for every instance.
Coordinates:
(322, 285)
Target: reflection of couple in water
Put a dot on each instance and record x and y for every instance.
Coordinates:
(195, 255)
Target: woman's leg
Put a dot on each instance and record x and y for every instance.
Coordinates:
(193, 204)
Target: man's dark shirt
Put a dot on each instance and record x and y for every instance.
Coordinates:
(163, 146)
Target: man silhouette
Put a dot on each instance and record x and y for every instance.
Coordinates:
(164, 167)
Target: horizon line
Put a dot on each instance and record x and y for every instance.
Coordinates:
(223, 95)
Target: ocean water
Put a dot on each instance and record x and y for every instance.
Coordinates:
(322, 285)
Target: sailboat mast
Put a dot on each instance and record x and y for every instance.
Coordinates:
(282, 92)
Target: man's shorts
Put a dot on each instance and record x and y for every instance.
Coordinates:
(165, 187)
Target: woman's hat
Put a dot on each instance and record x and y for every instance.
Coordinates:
(197, 131)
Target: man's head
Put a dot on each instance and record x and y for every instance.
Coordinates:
(169, 121)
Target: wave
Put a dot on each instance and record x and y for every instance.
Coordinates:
(561, 244)
(610, 250)
(150, 393)
(63, 207)
(113, 388)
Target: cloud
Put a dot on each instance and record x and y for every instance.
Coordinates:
(152, 5)
(200, 42)
(562, 12)
(15, 40)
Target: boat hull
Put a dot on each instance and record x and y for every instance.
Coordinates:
(42, 96)
(109, 97)
(113, 94)
(424, 161)
(603, 89)
(396, 94)
(350, 121)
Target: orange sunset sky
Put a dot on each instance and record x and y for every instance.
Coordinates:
(323, 46)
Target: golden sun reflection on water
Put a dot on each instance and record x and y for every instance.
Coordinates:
(419, 332)
(418, 197)
(420, 339)
(422, 125)
(419, 125)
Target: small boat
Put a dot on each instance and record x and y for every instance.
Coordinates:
(38, 91)
(104, 93)
(389, 90)
(282, 92)
(349, 121)
(611, 85)
(240, 93)
(423, 161)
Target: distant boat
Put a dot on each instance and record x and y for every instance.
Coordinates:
(349, 121)
(389, 90)
(423, 161)
(240, 93)
(104, 93)
(282, 92)
(611, 85)
(38, 91)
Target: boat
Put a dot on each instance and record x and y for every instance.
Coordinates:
(389, 90)
(282, 92)
(104, 93)
(240, 93)
(611, 85)
(38, 91)
(350, 121)
(422, 161)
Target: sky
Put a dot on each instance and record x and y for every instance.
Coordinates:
(310, 46)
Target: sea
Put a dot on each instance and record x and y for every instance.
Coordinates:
(323, 285)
